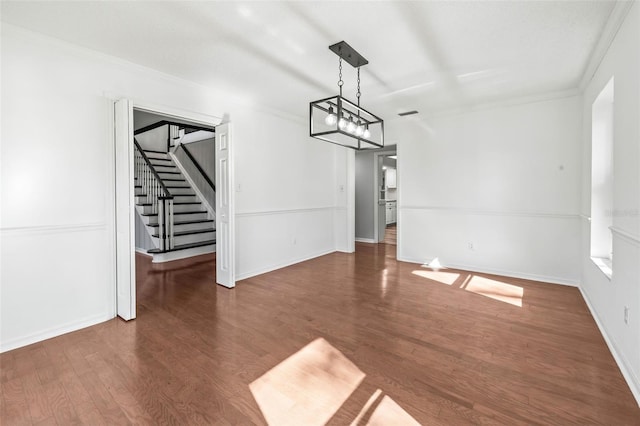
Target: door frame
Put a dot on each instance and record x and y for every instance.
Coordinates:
(351, 194)
(376, 196)
(124, 228)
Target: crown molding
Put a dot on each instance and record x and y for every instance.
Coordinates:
(609, 32)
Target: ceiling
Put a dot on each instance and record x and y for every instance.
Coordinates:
(425, 56)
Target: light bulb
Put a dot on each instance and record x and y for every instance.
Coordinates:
(351, 126)
(342, 123)
(359, 129)
(366, 132)
(331, 118)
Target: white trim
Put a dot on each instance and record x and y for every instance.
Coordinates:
(494, 271)
(196, 136)
(609, 32)
(183, 254)
(281, 265)
(604, 265)
(366, 240)
(54, 229)
(54, 332)
(384, 152)
(170, 112)
(626, 236)
(479, 212)
(286, 211)
(623, 365)
(143, 252)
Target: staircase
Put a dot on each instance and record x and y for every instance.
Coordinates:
(175, 218)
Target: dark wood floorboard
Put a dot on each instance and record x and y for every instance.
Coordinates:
(337, 339)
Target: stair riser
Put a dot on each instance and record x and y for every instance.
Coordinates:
(187, 227)
(141, 198)
(165, 176)
(177, 217)
(179, 191)
(185, 199)
(165, 168)
(187, 239)
(180, 208)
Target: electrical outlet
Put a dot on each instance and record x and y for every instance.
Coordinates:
(294, 241)
(626, 315)
(341, 187)
(470, 246)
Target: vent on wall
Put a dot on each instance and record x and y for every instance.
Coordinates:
(402, 114)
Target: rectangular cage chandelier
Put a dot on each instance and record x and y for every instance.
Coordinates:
(341, 121)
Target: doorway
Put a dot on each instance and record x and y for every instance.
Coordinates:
(387, 234)
(376, 195)
(125, 196)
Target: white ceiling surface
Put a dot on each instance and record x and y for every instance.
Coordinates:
(426, 56)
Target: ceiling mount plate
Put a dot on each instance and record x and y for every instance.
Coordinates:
(349, 54)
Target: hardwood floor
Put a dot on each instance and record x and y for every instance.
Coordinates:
(390, 234)
(335, 339)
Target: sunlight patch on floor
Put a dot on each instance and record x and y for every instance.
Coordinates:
(388, 412)
(447, 278)
(382, 410)
(307, 388)
(496, 290)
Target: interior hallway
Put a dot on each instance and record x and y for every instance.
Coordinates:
(441, 347)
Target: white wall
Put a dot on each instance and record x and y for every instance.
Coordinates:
(605, 297)
(57, 223)
(365, 195)
(504, 179)
(285, 194)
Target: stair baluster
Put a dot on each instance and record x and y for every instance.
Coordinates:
(157, 196)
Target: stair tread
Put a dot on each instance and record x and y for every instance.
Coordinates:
(179, 203)
(193, 232)
(157, 152)
(176, 213)
(184, 246)
(172, 179)
(186, 194)
(184, 222)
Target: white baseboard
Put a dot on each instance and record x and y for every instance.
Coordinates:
(143, 251)
(627, 373)
(183, 254)
(53, 332)
(365, 240)
(503, 272)
(273, 267)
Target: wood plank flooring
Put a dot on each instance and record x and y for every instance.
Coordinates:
(369, 338)
(390, 234)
